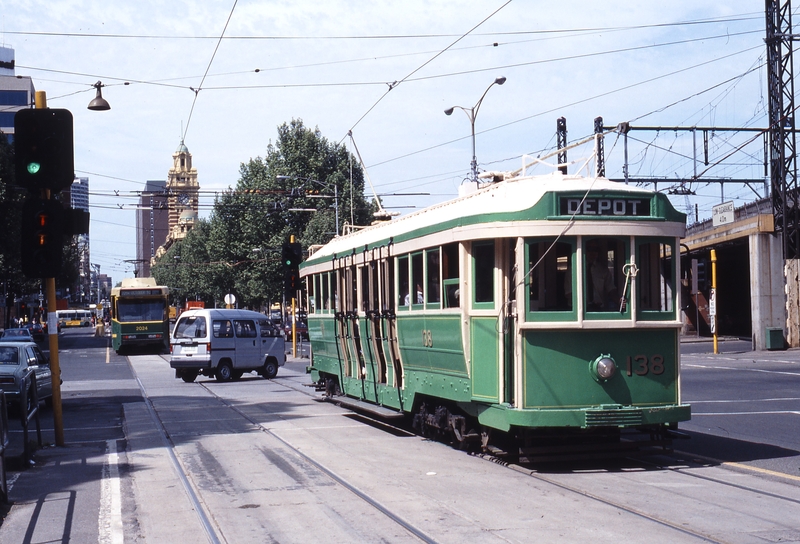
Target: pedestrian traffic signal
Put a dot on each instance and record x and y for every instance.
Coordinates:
(42, 237)
(43, 149)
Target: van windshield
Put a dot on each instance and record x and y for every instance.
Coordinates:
(190, 327)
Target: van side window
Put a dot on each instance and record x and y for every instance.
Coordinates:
(222, 329)
(191, 327)
(245, 328)
(267, 329)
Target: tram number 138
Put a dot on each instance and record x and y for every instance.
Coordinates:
(641, 365)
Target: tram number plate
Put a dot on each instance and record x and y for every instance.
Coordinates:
(642, 365)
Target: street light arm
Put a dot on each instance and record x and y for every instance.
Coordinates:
(498, 81)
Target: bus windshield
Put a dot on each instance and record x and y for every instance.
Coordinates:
(140, 310)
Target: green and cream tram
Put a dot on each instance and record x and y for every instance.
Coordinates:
(533, 302)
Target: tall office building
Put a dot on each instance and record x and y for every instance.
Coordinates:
(152, 225)
(16, 92)
(79, 200)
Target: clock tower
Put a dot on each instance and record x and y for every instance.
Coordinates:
(182, 187)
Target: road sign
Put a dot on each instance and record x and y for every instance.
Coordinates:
(712, 302)
(230, 299)
(722, 214)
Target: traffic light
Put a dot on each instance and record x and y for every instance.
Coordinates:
(43, 149)
(291, 255)
(42, 237)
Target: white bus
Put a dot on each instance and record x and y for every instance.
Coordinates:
(74, 318)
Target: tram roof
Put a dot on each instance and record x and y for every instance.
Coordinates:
(492, 202)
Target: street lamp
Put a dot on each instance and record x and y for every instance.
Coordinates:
(335, 195)
(99, 103)
(472, 113)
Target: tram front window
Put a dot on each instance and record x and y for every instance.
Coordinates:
(551, 276)
(603, 260)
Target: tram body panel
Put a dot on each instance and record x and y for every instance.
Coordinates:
(518, 353)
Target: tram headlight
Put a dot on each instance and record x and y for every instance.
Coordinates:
(603, 368)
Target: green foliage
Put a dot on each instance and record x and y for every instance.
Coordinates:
(238, 249)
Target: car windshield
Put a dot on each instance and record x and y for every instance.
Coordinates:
(9, 356)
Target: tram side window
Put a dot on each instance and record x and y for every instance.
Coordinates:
(312, 287)
(417, 278)
(483, 269)
(550, 275)
(324, 292)
(604, 258)
(434, 288)
(402, 278)
(333, 300)
(450, 275)
(655, 277)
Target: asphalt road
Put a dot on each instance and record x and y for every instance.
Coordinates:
(745, 405)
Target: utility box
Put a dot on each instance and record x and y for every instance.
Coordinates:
(775, 339)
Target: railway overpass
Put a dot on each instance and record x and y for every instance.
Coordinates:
(752, 287)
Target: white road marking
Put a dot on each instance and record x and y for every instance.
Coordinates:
(110, 518)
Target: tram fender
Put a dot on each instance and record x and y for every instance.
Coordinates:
(488, 415)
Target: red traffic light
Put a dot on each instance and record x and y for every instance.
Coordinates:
(42, 237)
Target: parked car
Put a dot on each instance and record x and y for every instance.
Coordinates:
(20, 334)
(19, 360)
(301, 326)
(37, 331)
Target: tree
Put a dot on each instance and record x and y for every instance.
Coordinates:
(251, 223)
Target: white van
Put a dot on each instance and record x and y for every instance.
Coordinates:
(225, 344)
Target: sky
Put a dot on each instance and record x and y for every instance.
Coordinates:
(223, 75)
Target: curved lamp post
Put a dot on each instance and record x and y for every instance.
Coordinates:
(472, 113)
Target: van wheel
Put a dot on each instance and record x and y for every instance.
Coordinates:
(270, 369)
(224, 371)
(189, 376)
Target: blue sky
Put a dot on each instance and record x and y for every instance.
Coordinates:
(332, 64)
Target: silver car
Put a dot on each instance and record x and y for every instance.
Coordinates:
(16, 335)
(19, 360)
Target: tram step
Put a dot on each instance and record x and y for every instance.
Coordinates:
(361, 406)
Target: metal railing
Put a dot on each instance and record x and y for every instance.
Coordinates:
(3, 446)
(29, 410)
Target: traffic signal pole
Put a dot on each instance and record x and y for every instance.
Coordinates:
(52, 325)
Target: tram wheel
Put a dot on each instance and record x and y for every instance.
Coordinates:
(224, 372)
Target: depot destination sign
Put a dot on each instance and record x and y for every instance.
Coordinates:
(605, 206)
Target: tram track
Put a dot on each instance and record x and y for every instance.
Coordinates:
(531, 472)
(213, 532)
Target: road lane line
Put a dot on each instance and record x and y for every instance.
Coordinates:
(110, 518)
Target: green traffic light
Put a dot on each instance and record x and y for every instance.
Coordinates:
(34, 167)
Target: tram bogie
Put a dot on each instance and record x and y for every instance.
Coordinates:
(546, 302)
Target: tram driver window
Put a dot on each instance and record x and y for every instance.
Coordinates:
(483, 267)
(551, 276)
(656, 287)
(603, 260)
(452, 292)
